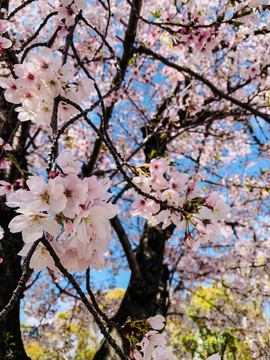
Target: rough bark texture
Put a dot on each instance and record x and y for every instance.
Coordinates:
(11, 346)
(146, 297)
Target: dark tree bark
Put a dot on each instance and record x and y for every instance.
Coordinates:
(147, 296)
(11, 346)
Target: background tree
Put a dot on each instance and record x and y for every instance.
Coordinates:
(177, 80)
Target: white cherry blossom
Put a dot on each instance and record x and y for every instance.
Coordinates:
(32, 225)
(157, 322)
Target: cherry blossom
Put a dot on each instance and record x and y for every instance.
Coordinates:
(5, 187)
(153, 347)
(41, 257)
(195, 209)
(44, 196)
(156, 322)
(214, 357)
(4, 145)
(67, 164)
(4, 42)
(40, 80)
(177, 110)
(80, 227)
(32, 225)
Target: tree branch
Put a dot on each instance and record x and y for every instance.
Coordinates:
(132, 262)
(221, 94)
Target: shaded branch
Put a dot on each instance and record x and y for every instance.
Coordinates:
(94, 302)
(132, 262)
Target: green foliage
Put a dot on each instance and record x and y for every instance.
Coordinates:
(8, 339)
(73, 337)
(156, 14)
(194, 337)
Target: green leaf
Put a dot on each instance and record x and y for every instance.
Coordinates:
(12, 158)
(133, 60)
(152, 153)
(27, 173)
(245, 13)
(249, 188)
(156, 14)
(237, 24)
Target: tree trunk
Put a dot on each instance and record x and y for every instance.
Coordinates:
(146, 297)
(11, 346)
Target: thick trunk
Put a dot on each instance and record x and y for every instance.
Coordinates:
(11, 346)
(146, 297)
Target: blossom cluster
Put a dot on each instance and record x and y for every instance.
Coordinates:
(39, 81)
(73, 213)
(67, 10)
(153, 347)
(4, 42)
(154, 344)
(184, 203)
(203, 42)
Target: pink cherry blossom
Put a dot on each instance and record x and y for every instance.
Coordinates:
(12, 93)
(43, 196)
(156, 322)
(4, 44)
(5, 187)
(4, 26)
(163, 353)
(68, 14)
(4, 145)
(67, 163)
(75, 192)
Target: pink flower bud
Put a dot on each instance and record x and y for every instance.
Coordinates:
(48, 236)
(191, 185)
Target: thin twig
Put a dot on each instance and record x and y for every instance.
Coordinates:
(94, 302)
